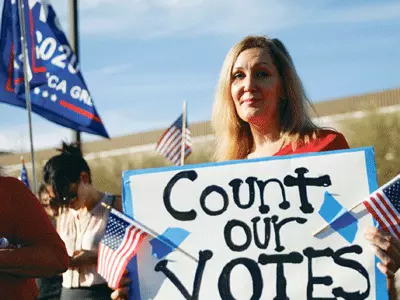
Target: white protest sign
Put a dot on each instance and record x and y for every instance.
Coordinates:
(250, 226)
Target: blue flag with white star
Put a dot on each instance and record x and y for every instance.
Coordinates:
(57, 89)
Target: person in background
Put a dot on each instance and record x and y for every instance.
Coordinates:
(49, 287)
(260, 110)
(81, 222)
(35, 249)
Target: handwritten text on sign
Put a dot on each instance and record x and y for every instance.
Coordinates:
(251, 227)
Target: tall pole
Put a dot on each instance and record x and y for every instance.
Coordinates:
(27, 87)
(183, 144)
(74, 41)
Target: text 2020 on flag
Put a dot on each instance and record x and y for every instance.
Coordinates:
(120, 243)
(384, 205)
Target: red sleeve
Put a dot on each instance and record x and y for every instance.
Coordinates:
(42, 248)
(330, 140)
(326, 140)
(31, 221)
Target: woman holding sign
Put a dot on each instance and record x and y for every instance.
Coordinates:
(261, 110)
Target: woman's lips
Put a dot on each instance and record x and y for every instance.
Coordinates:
(250, 101)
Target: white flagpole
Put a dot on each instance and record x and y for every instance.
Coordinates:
(183, 134)
(27, 87)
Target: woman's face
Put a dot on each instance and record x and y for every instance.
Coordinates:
(256, 87)
(75, 196)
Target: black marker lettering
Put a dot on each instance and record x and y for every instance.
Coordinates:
(352, 264)
(204, 256)
(235, 184)
(302, 182)
(279, 260)
(224, 284)
(327, 280)
(179, 215)
(267, 232)
(228, 235)
(278, 226)
(207, 191)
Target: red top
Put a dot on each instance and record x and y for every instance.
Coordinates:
(326, 140)
(23, 221)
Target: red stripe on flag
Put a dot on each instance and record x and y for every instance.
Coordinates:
(80, 111)
(373, 212)
(389, 208)
(392, 225)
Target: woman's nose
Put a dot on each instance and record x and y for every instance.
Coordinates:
(249, 84)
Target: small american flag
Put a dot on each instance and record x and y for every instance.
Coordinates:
(384, 206)
(24, 174)
(119, 244)
(170, 142)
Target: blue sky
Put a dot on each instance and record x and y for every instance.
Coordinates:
(142, 58)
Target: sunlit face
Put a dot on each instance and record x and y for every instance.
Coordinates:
(256, 87)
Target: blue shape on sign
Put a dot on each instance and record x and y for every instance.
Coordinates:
(338, 218)
(167, 242)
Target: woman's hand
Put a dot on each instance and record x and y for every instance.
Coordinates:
(387, 248)
(83, 258)
(122, 292)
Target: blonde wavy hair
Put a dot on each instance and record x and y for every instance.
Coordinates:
(233, 135)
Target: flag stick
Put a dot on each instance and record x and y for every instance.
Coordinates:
(27, 88)
(183, 134)
(154, 234)
(358, 204)
(326, 226)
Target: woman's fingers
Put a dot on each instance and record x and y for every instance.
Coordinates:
(387, 248)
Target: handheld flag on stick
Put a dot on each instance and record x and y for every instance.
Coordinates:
(24, 174)
(176, 143)
(383, 205)
(120, 243)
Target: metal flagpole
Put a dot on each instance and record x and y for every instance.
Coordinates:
(74, 40)
(183, 134)
(27, 87)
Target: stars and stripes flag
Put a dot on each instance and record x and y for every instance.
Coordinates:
(118, 246)
(170, 142)
(24, 174)
(384, 206)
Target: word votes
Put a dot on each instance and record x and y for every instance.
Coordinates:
(301, 182)
(254, 269)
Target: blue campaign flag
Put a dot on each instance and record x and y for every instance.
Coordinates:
(57, 88)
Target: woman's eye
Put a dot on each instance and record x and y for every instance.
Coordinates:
(238, 75)
(261, 74)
